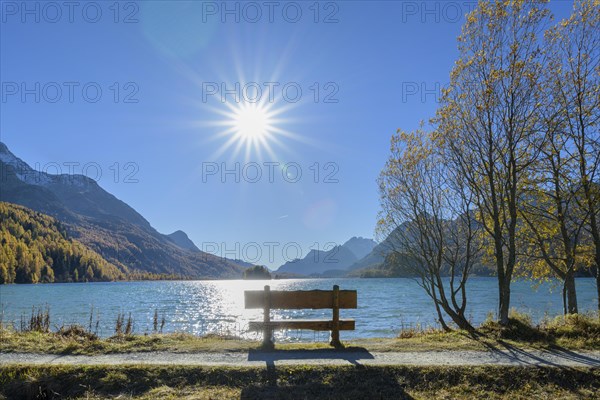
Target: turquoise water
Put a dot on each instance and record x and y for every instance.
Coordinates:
(200, 307)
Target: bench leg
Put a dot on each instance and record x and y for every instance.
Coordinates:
(268, 339)
(335, 340)
(335, 329)
(267, 331)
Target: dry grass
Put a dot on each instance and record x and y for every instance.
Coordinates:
(291, 382)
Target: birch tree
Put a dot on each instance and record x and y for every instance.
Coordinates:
(574, 78)
(427, 214)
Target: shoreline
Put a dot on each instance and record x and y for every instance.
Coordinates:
(575, 332)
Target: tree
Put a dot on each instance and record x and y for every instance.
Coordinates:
(427, 215)
(257, 272)
(574, 53)
(553, 227)
(489, 122)
(89, 273)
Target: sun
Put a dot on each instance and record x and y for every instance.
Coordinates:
(252, 123)
(255, 129)
(251, 128)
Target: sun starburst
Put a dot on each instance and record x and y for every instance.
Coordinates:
(252, 128)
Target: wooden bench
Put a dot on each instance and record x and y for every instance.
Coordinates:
(268, 300)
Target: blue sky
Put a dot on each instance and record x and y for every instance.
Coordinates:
(157, 123)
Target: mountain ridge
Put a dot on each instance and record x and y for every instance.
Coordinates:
(339, 258)
(181, 239)
(106, 224)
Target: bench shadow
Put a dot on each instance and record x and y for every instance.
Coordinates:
(354, 381)
(350, 354)
(339, 381)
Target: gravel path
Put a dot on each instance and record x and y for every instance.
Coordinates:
(512, 357)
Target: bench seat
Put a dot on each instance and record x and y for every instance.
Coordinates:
(268, 300)
(312, 324)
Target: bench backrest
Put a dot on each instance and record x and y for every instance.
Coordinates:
(299, 299)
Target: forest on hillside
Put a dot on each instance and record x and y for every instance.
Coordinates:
(36, 248)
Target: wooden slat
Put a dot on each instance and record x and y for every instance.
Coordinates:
(312, 324)
(300, 299)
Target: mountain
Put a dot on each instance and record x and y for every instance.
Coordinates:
(104, 223)
(375, 258)
(359, 246)
(378, 257)
(181, 239)
(332, 262)
(318, 261)
(67, 196)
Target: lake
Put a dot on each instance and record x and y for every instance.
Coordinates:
(199, 307)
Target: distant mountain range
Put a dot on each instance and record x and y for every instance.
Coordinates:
(334, 262)
(106, 224)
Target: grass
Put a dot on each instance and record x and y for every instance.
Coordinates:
(576, 332)
(291, 382)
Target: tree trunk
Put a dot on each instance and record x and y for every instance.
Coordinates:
(571, 294)
(596, 237)
(564, 298)
(503, 288)
(458, 318)
(504, 302)
(464, 324)
(598, 284)
(445, 327)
